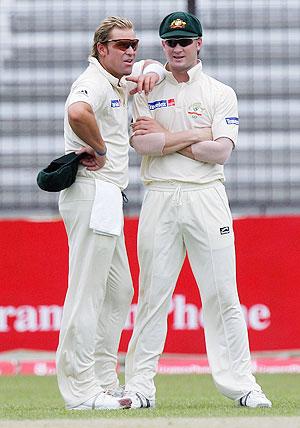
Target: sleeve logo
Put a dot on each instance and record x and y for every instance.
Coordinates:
(82, 91)
(232, 120)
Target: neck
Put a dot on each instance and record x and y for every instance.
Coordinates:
(107, 68)
(181, 75)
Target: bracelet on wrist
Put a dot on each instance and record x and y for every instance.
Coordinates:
(103, 153)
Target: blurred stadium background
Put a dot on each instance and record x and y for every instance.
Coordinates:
(252, 45)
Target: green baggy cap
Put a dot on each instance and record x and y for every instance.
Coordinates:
(179, 25)
(60, 173)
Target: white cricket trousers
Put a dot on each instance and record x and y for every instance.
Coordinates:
(97, 301)
(176, 218)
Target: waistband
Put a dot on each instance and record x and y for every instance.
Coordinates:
(87, 180)
(169, 186)
(91, 180)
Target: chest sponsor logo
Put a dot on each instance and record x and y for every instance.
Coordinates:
(196, 110)
(115, 103)
(232, 120)
(161, 103)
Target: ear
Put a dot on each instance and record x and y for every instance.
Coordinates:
(102, 49)
(199, 44)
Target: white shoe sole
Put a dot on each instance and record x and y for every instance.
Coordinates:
(124, 403)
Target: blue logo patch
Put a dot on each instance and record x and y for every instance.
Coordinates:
(232, 120)
(115, 103)
(158, 104)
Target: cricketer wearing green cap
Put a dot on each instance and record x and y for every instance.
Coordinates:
(186, 210)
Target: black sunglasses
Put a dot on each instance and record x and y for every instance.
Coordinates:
(182, 42)
(124, 44)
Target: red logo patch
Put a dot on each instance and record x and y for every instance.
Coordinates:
(171, 102)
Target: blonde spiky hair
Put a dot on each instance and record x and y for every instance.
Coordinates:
(102, 32)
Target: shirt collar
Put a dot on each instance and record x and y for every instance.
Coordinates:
(194, 73)
(112, 79)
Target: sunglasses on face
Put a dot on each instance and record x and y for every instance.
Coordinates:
(182, 42)
(124, 44)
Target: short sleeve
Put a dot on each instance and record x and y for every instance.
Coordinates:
(225, 120)
(85, 92)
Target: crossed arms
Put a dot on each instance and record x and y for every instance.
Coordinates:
(151, 138)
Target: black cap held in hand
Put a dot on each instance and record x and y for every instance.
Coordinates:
(60, 173)
(180, 25)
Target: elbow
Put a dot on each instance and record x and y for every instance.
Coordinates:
(222, 160)
(139, 151)
(224, 151)
(138, 148)
(224, 156)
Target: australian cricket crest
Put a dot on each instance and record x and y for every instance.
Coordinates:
(196, 110)
(177, 23)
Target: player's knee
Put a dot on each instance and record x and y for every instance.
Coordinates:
(222, 297)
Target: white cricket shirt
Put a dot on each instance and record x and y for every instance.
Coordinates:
(201, 102)
(108, 97)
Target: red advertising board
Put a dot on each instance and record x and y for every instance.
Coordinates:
(34, 265)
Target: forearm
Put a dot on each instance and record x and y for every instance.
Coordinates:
(176, 141)
(151, 74)
(150, 61)
(163, 143)
(160, 143)
(83, 122)
(214, 152)
(149, 144)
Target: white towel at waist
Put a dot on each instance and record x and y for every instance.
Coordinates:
(107, 211)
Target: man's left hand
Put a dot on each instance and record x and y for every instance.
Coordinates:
(145, 82)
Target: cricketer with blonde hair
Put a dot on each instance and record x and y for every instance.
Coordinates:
(100, 285)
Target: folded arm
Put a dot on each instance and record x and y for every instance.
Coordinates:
(212, 151)
(150, 138)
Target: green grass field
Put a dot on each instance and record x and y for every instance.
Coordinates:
(33, 397)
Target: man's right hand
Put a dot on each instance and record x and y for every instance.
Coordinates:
(91, 161)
